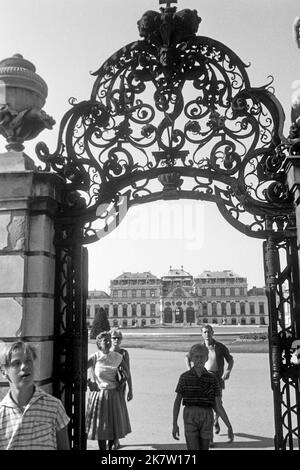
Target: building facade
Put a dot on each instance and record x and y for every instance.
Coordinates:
(180, 299)
(224, 298)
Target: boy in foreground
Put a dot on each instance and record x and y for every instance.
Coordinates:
(200, 394)
(30, 419)
(218, 355)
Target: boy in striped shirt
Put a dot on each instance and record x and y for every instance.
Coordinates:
(30, 419)
(200, 394)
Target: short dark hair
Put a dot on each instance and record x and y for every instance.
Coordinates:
(17, 346)
(207, 325)
(198, 347)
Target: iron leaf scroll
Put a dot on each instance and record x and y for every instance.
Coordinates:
(174, 116)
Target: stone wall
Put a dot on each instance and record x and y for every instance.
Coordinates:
(28, 203)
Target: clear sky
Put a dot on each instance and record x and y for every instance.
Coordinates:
(67, 39)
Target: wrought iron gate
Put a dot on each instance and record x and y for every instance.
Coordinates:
(282, 288)
(174, 116)
(71, 337)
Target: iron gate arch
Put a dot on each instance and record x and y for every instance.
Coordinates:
(174, 116)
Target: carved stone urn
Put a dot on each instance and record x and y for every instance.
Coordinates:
(22, 96)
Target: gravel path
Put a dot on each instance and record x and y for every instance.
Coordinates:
(247, 399)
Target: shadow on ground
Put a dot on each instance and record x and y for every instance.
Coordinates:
(242, 441)
(155, 447)
(248, 441)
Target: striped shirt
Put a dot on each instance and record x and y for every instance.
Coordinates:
(198, 391)
(34, 427)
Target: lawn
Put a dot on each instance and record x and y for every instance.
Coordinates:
(183, 342)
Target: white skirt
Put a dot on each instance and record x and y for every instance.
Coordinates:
(107, 416)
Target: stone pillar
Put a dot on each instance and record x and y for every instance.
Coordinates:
(292, 168)
(28, 203)
(293, 178)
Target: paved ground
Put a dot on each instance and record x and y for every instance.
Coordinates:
(247, 399)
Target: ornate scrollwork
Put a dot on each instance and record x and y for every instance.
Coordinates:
(178, 108)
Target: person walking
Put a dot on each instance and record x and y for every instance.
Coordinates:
(218, 354)
(116, 340)
(199, 391)
(107, 416)
(30, 418)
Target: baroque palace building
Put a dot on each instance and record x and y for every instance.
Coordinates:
(179, 299)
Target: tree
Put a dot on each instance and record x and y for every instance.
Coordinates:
(100, 323)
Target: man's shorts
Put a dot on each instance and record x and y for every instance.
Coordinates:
(198, 421)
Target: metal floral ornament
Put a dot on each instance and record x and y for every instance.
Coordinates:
(171, 116)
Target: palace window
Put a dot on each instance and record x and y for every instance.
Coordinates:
(133, 310)
(261, 307)
(97, 309)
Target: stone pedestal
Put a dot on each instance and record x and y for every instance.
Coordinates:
(292, 168)
(28, 203)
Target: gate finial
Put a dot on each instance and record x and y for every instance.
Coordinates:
(22, 95)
